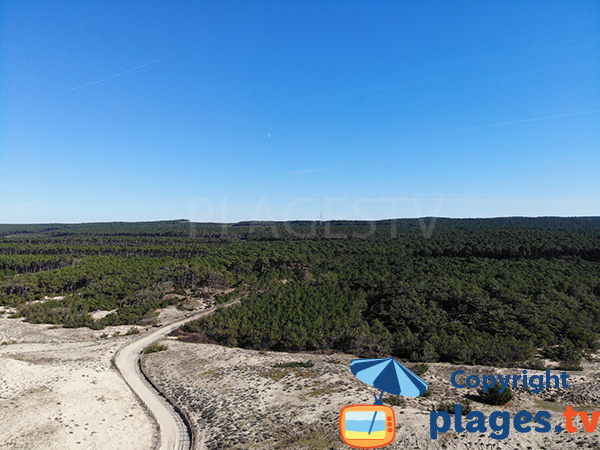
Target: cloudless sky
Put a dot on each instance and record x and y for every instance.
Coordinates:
(238, 110)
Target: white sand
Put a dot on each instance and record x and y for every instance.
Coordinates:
(59, 390)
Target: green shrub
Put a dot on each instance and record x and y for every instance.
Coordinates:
(419, 369)
(567, 355)
(155, 348)
(535, 364)
(494, 397)
(573, 364)
(394, 400)
(294, 364)
(450, 407)
(224, 298)
(132, 330)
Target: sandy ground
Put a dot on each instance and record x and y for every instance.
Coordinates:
(59, 390)
(242, 399)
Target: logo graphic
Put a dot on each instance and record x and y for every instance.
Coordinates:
(367, 426)
(374, 426)
(501, 422)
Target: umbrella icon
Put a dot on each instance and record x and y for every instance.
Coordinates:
(388, 375)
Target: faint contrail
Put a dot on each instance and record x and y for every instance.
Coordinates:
(137, 67)
(537, 119)
(503, 124)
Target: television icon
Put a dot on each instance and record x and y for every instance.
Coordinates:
(367, 426)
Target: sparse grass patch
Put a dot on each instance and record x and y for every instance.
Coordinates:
(214, 373)
(294, 364)
(552, 405)
(277, 376)
(313, 436)
(273, 374)
(447, 437)
(303, 373)
(323, 390)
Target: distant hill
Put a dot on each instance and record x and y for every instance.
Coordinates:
(263, 229)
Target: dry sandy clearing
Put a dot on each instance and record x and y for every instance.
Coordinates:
(241, 399)
(59, 390)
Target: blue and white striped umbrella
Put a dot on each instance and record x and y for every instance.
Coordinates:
(388, 375)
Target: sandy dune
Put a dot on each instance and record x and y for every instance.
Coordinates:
(242, 399)
(59, 390)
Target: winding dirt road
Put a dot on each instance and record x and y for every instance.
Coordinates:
(174, 434)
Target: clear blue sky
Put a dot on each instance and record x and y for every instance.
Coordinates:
(227, 111)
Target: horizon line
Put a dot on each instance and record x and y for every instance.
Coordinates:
(272, 221)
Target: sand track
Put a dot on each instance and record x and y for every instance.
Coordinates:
(175, 433)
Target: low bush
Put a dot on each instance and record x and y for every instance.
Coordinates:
(573, 364)
(155, 348)
(295, 364)
(419, 369)
(394, 400)
(535, 364)
(494, 397)
(465, 407)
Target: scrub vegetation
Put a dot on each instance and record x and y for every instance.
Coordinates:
(155, 348)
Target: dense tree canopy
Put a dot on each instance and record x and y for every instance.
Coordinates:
(491, 291)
